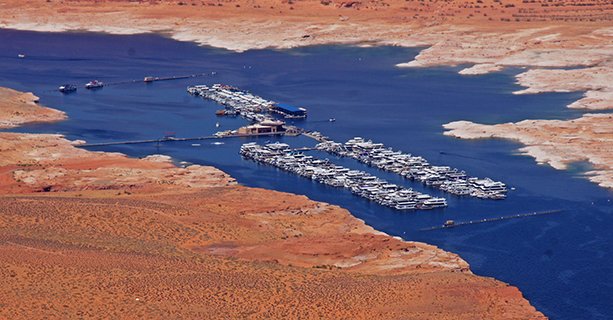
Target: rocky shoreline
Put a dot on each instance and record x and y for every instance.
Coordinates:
(566, 49)
(18, 108)
(554, 142)
(479, 35)
(146, 237)
(82, 230)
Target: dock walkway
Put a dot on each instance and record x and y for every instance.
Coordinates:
(171, 139)
(150, 80)
(156, 79)
(486, 220)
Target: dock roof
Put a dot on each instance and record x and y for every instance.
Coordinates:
(289, 108)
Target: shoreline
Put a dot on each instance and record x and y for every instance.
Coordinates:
(557, 143)
(19, 108)
(538, 46)
(592, 80)
(109, 206)
(559, 56)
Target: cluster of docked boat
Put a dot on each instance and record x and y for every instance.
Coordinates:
(359, 182)
(235, 101)
(67, 88)
(416, 168)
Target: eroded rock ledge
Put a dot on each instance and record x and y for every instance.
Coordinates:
(18, 108)
(488, 35)
(80, 228)
(554, 142)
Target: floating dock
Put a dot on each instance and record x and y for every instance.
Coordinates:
(148, 79)
(173, 139)
(486, 220)
(288, 111)
(358, 182)
(415, 168)
(245, 104)
(151, 79)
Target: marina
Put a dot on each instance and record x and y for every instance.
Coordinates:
(517, 250)
(416, 168)
(245, 104)
(360, 183)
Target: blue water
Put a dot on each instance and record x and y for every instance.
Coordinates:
(561, 262)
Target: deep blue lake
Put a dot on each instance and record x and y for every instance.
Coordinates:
(561, 262)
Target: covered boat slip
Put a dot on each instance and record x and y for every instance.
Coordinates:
(289, 110)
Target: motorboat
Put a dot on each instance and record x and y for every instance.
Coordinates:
(67, 88)
(94, 84)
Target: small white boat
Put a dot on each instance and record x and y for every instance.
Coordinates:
(21, 56)
(94, 84)
(195, 144)
(217, 125)
(217, 143)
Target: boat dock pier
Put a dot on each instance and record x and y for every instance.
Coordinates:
(486, 220)
(245, 104)
(417, 168)
(95, 84)
(156, 79)
(360, 183)
(173, 139)
(315, 135)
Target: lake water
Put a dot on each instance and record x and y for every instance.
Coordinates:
(561, 262)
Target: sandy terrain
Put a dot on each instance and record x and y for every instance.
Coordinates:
(81, 231)
(17, 108)
(555, 142)
(40, 162)
(154, 240)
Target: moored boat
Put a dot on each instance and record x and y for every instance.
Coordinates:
(66, 88)
(323, 171)
(94, 84)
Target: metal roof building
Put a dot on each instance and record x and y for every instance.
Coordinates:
(290, 110)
